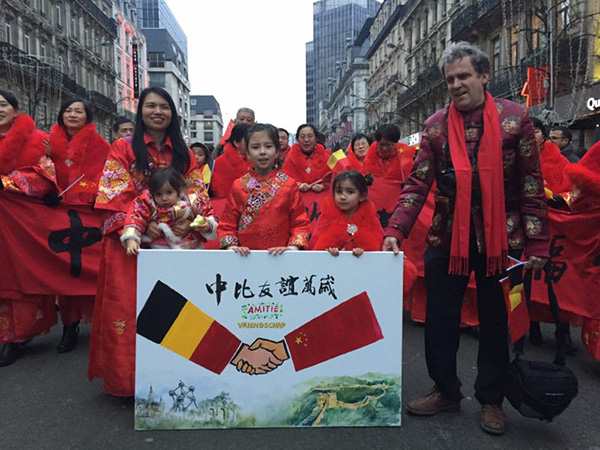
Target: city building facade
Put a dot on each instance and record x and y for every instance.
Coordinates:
(537, 47)
(405, 83)
(335, 23)
(130, 58)
(345, 112)
(52, 51)
(167, 55)
(311, 107)
(206, 121)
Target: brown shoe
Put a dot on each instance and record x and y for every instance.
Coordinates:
(432, 403)
(492, 419)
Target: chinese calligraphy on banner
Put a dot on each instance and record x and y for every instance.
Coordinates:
(302, 339)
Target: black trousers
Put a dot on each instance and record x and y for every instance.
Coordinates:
(442, 327)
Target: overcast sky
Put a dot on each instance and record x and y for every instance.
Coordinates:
(249, 53)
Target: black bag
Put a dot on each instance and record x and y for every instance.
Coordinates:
(539, 389)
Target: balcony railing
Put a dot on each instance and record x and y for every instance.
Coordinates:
(102, 100)
(97, 13)
(32, 66)
(464, 21)
(391, 80)
(472, 15)
(345, 111)
(426, 81)
(508, 82)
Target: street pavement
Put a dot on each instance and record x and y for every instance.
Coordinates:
(46, 402)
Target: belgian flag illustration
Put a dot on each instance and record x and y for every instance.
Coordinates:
(518, 316)
(170, 320)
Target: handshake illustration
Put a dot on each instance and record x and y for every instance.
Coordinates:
(262, 357)
(170, 320)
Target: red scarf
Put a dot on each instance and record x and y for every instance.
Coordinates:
(307, 168)
(227, 168)
(22, 146)
(353, 159)
(491, 179)
(553, 163)
(240, 164)
(84, 154)
(336, 229)
(396, 166)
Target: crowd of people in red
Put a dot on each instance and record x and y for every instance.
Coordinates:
(483, 154)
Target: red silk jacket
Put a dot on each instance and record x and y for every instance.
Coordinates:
(526, 214)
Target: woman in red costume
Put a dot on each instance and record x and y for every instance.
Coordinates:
(387, 158)
(307, 160)
(157, 142)
(232, 164)
(78, 153)
(358, 150)
(24, 168)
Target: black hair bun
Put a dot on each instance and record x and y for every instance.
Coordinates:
(369, 179)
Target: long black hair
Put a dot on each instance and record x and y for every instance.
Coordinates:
(181, 154)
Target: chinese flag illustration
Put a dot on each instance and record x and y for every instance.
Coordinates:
(347, 327)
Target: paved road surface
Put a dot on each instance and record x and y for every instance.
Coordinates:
(46, 402)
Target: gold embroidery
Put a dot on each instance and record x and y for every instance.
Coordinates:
(437, 220)
(511, 224)
(509, 161)
(516, 243)
(115, 179)
(533, 225)
(120, 326)
(434, 241)
(512, 124)
(471, 134)
(525, 148)
(530, 186)
(422, 170)
(432, 131)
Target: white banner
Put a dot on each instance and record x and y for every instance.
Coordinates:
(300, 339)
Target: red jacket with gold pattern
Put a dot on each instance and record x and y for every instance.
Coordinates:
(264, 212)
(526, 214)
(24, 164)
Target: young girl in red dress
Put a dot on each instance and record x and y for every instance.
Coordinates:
(349, 221)
(264, 209)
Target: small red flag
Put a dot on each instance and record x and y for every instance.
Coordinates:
(347, 327)
(227, 132)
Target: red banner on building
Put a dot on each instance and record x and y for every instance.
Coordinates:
(47, 250)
